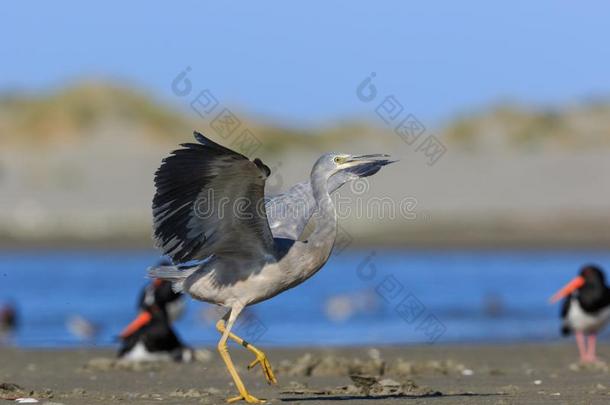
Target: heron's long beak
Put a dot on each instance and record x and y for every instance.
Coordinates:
(575, 284)
(367, 165)
(142, 319)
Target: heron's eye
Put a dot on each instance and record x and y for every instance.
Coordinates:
(337, 159)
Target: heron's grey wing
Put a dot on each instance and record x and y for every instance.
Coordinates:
(209, 200)
(288, 213)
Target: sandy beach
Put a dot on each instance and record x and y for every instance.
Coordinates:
(495, 374)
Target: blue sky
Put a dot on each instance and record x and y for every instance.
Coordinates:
(300, 62)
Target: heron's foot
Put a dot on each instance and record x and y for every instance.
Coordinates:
(261, 358)
(251, 399)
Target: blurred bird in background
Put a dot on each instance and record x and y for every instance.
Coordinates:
(210, 218)
(342, 307)
(8, 322)
(150, 336)
(585, 310)
(82, 328)
(161, 291)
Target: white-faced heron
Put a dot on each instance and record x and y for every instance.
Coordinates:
(232, 248)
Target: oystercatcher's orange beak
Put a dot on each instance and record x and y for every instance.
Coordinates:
(142, 319)
(575, 284)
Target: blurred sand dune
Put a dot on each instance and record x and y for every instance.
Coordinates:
(76, 166)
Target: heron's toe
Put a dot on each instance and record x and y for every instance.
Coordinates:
(261, 359)
(251, 399)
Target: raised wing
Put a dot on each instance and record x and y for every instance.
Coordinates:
(209, 200)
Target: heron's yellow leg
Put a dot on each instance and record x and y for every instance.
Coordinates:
(224, 353)
(261, 357)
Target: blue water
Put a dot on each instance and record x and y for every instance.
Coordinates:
(395, 297)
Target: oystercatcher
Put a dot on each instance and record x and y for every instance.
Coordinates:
(585, 310)
(161, 291)
(150, 336)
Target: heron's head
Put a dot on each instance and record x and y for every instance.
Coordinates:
(349, 167)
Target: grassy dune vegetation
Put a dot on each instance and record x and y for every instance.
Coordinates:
(84, 107)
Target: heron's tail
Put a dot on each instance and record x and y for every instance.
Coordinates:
(175, 274)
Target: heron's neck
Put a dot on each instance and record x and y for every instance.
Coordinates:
(325, 217)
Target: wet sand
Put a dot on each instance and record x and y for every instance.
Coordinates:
(498, 374)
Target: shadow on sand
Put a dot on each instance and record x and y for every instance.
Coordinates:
(380, 397)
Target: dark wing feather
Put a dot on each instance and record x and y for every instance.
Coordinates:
(209, 200)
